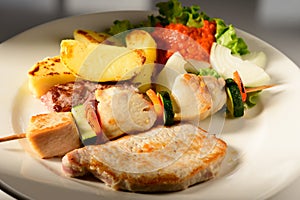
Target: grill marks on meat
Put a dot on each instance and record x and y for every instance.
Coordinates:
(61, 97)
(123, 110)
(162, 159)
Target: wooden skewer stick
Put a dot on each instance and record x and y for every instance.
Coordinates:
(255, 89)
(13, 137)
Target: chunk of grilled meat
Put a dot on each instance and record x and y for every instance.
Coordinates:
(122, 109)
(61, 97)
(198, 96)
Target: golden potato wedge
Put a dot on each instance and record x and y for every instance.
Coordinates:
(140, 39)
(47, 73)
(101, 62)
(74, 52)
(89, 36)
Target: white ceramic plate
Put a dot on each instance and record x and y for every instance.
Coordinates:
(264, 151)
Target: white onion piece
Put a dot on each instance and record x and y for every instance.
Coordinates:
(258, 58)
(174, 67)
(226, 64)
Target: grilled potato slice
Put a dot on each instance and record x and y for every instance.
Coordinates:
(140, 39)
(47, 73)
(74, 52)
(101, 62)
(89, 36)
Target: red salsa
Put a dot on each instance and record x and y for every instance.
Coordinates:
(191, 42)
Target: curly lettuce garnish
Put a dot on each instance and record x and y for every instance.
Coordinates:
(226, 36)
(208, 72)
(120, 26)
(252, 99)
(173, 12)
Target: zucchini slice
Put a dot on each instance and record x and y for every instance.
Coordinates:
(235, 104)
(87, 135)
(168, 108)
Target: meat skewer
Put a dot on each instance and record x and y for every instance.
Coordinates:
(41, 139)
(104, 111)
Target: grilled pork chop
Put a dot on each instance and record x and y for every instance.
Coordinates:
(162, 159)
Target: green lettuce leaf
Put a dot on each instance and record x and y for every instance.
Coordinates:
(208, 72)
(120, 26)
(226, 36)
(173, 12)
(170, 11)
(252, 99)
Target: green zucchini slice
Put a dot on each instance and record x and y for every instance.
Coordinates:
(87, 135)
(235, 105)
(168, 108)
